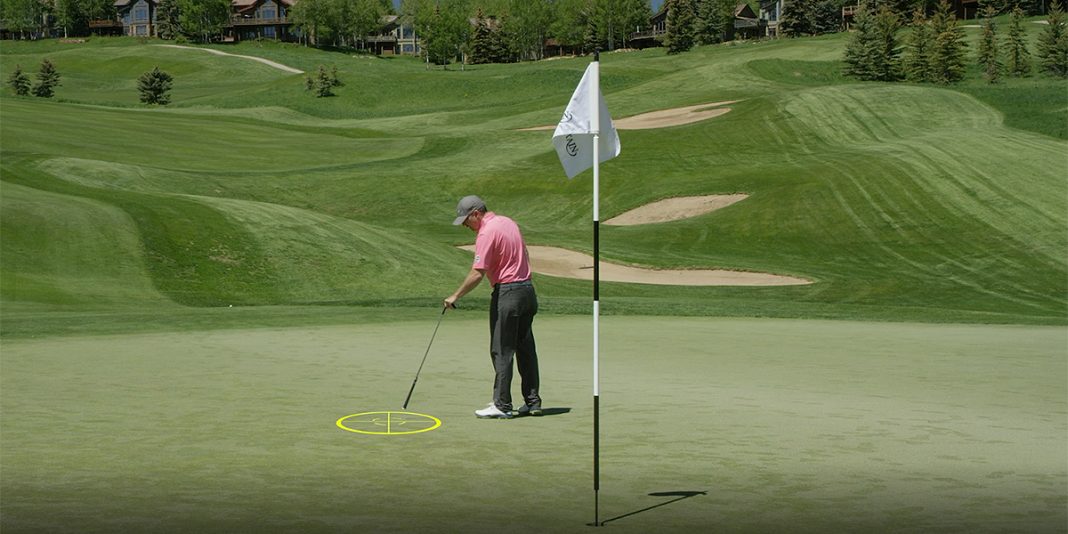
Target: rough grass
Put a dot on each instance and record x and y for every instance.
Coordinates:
(902, 202)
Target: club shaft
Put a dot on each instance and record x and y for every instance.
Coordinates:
(425, 354)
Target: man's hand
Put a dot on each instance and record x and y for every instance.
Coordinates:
(469, 283)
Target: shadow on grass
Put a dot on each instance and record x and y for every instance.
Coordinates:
(553, 411)
(679, 495)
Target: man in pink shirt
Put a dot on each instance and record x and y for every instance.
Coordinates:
(501, 254)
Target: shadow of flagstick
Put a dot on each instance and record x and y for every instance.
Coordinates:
(679, 495)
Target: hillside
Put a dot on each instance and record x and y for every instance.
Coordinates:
(901, 202)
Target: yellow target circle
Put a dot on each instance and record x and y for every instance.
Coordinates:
(388, 423)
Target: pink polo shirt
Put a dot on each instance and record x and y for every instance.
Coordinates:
(500, 251)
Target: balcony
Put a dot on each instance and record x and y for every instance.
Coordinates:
(647, 34)
(105, 23)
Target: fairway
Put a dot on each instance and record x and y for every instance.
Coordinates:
(740, 425)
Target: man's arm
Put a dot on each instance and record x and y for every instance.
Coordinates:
(470, 282)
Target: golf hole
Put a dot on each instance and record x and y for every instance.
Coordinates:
(388, 423)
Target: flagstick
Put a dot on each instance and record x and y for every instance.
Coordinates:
(595, 124)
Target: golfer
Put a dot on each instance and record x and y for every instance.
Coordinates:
(501, 254)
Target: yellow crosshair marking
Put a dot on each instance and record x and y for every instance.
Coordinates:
(395, 423)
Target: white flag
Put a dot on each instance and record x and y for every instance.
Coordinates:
(573, 137)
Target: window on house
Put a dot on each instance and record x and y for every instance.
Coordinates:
(268, 32)
(141, 30)
(140, 14)
(268, 11)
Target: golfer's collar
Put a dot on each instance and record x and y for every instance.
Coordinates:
(486, 217)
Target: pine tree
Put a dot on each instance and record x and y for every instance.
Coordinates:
(481, 43)
(335, 81)
(1019, 58)
(19, 82)
(988, 47)
(1053, 43)
(887, 54)
(168, 19)
(796, 17)
(323, 84)
(825, 16)
(711, 20)
(947, 54)
(917, 61)
(680, 30)
(155, 86)
(860, 50)
(47, 80)
(487, 43)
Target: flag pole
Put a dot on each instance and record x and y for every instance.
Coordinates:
(595, 124)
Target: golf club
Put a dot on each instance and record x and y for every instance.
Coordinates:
(409, 397)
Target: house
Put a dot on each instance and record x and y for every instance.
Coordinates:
(138, 17)
(395, 37)
(249, 19)
(655, 34)
(260, 19)
(746, 23)
(966, 9)
(770, 13)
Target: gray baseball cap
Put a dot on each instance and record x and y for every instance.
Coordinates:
(466, 206)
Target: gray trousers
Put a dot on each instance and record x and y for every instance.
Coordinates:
(512, 310)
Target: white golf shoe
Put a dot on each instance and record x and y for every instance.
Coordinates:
(492, 412)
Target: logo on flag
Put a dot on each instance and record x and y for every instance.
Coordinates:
(573, 137)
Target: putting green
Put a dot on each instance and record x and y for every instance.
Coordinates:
(751, 425)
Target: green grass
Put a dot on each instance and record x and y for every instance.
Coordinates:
(190, 297)
(810, 426)
(901, 202)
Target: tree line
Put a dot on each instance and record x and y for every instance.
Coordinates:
(479, 31)
(934, 50)
(33, 19)
(817, 17)
(485, 30)
(698, 22)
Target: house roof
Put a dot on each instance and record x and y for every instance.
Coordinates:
(744, 11)
(124, 3)
(244, 6)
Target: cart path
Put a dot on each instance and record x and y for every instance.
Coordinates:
(267, 62)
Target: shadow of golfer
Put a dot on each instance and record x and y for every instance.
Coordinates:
(679, 495)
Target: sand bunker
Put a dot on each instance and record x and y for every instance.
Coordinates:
(553, 261)
(663, 118)
(674, 209)
(672, 117)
